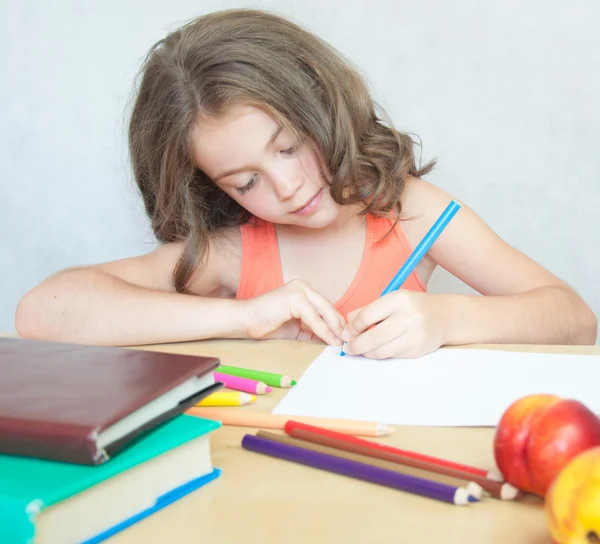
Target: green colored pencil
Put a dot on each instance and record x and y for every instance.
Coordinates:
(269, 378)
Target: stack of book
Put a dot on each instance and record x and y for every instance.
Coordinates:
(93, 439)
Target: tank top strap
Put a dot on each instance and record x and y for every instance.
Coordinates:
(385, 252)
(261, 265)
(394, 255)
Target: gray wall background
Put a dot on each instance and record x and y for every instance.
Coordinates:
(505, 94)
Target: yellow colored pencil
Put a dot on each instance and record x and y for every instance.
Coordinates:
(227, 398)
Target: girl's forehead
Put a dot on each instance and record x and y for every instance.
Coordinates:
(240, 132)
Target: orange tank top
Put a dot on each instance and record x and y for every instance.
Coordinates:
(382, 257)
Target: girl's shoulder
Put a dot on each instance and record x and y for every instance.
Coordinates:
(422, 203)
(220, 272)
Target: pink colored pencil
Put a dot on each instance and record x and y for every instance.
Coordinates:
(242, 384)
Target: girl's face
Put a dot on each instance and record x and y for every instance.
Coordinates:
(256, 161)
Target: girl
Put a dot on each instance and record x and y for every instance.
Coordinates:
(284, 204)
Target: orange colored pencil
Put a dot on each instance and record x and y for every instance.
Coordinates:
(242, 418)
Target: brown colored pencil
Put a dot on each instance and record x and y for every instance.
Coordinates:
(499, 490)
(472, 488)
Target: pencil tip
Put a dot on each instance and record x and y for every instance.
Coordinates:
(472, 499)
(342, 353)
(383, 429)
(509, 492)
(294, 382)
(495, 475)
(475, 490)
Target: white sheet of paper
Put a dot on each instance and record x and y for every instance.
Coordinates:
(450, 387)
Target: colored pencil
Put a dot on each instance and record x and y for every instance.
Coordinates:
(269, 378)
(315, 428)
(360, 471)
(227, 398)
(421, 250)
(242, 418)
(242, 384)
(499, 490)
(473, 489)
(423, 247)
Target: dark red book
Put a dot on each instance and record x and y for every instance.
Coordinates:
(82, 404)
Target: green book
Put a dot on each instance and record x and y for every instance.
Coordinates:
(53, 501)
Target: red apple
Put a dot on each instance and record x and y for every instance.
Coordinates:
(538, 435)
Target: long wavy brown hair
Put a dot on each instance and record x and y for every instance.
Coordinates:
(256, 58)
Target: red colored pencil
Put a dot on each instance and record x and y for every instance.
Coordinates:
(492, 475)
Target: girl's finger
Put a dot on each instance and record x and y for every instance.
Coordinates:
(398, 348)
(410, 345)
(309, 315)
(327, 311)
(373, 313)
(380, 334)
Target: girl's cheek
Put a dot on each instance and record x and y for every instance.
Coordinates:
(260, 200)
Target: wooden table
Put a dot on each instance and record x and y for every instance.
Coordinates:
(263, 500)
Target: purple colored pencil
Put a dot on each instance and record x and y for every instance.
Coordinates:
(360, 471)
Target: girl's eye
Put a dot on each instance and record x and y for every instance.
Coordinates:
(290, 150)
(248, 186)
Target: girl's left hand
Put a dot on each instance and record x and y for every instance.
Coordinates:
(404, 324)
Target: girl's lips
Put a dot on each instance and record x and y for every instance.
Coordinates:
(311, 205)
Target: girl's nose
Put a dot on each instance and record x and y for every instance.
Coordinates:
(286, 185)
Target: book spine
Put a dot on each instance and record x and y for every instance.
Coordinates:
(50, 440)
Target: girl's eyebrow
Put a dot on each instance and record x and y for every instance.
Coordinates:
(272, 139)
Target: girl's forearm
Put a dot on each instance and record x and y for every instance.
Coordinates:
(90, 307)
(547, 315)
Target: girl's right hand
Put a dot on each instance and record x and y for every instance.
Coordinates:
(293, 311)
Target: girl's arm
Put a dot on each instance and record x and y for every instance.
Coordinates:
(132, 302)
(125, 302)
(522, 304)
